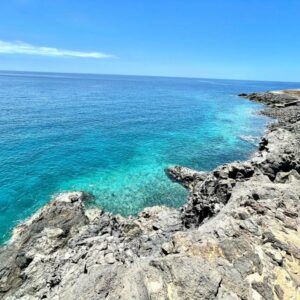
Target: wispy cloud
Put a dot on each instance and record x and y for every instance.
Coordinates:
(24, 48)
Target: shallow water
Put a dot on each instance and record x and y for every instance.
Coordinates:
(114, 135)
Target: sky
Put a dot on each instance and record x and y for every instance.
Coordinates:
(234, 39)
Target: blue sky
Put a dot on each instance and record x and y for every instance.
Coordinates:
(257, 39)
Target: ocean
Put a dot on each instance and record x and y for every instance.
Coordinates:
(113, 136)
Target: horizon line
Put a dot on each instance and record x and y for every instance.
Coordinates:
(141, 75)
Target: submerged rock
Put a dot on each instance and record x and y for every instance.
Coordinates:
(237, 237)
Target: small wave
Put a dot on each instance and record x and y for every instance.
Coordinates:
(249, 138)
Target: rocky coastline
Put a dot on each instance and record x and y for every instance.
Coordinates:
(237, 236)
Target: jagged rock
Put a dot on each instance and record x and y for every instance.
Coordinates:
(185, 176)
(283, 177)
(278, 99)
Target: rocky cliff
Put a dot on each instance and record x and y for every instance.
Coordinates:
(237, 237)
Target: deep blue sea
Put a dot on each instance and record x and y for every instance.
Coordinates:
(114, 135)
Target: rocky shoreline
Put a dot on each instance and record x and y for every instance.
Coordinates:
(237, 237)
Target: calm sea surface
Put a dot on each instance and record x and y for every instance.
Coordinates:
(114, 135)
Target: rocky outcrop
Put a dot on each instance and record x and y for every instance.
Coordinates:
(237, 237)
(275, 99)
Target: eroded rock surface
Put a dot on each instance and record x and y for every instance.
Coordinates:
(237, 237)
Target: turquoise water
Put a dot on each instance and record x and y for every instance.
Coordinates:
(114, 135)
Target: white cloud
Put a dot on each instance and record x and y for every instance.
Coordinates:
(24, 48)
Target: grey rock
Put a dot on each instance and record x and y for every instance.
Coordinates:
(185, 176)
